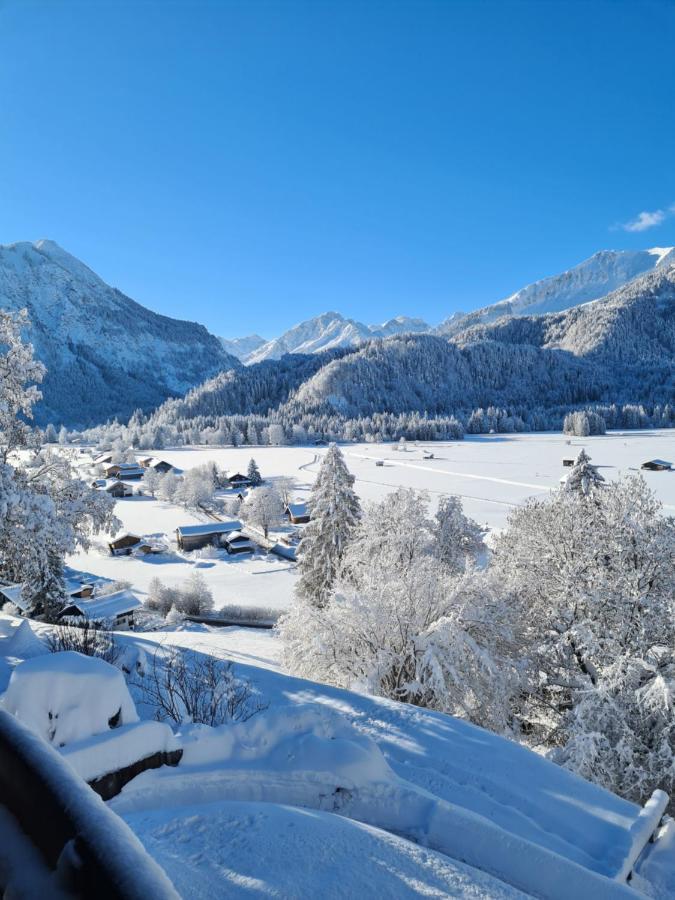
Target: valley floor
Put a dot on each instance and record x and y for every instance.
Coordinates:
(492, 474)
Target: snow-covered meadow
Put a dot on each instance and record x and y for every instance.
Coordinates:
(492, 474)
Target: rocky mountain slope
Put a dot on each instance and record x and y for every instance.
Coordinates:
(105, 354)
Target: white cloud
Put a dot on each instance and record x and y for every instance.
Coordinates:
(646, 219)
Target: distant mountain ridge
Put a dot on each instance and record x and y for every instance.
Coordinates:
(591, 279)
(617, 349)
(331, 331)
(105, 354)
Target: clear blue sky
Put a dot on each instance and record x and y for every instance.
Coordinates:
(250, 164)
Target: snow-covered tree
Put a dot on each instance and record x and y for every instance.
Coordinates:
(46, 510)
(195, 598)
(457, 538)
(401, 626)
(253, 474)
(263, 508)
(151, 481)
(335, 512)
(50, 434)
(583, 477)
(285, 484)
(592, 579)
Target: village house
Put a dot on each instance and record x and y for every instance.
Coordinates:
(159, 465)
(124, 544)
(124, 470)
(237, 480)
(568, 462)
(103, 459)
(236, 542)
(117, 608)
(297, 513)
(192, 537)
(657, 465)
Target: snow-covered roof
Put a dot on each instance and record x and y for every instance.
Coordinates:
(297, 509)
(109, 606)
(658, 462)
(211, 528)
(234, 474)
(238, 536)
(125, 534)
(12, 592)
(73, 585)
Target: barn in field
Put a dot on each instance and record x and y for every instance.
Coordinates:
(192, 537)
(657, 465)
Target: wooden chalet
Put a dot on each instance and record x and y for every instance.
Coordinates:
(237, 480)
(124, 470)
(117, 608)
(192, 537)
(124, 544)
(568, 462)
(297, 513)
(159, 465)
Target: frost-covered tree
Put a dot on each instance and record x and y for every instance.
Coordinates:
(583, 477)
(457, 538)
(400, 625)
(335, 511)
(50, 436)
(285, 484)
(263, 508)
(253, 473)
(151, 481)
(46, 510)
(194, 598)
(591, 575)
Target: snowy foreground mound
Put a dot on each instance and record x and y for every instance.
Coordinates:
(334, 794)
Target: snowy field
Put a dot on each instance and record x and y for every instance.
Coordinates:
(492, 473)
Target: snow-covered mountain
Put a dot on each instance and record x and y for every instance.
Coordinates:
(330, 331)
(594, 278)
(242, 347)
(106, 355)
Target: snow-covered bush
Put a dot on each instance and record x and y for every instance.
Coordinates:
(85, 637)
(189, 687)
(174, 617)
(65, 697)
(191, 598)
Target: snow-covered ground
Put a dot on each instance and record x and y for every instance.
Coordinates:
(491, 473)
(326, 792)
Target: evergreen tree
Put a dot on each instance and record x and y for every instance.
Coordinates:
(253, 474)
(584, 478)
(335, 511)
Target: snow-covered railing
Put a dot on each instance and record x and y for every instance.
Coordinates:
(642, 831)
(95, 851)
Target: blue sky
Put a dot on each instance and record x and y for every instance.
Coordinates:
(250, 164)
